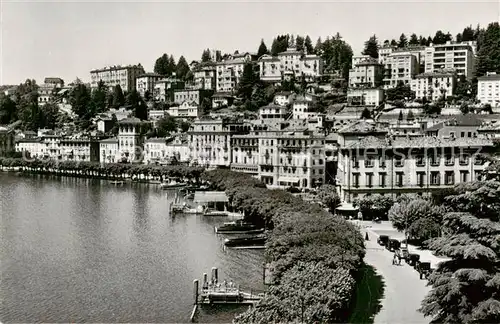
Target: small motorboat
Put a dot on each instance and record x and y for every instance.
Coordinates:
(258, 240)
(213, 212)
(172, 185)
(117, 182)
(238, 227)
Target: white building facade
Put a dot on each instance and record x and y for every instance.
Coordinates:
(488, 89)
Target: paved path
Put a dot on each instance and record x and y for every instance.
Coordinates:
(403, 291)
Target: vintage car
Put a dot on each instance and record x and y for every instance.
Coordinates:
(392, 245)
(424, 269)
(402, 253)
(383, 240)
(412, 259)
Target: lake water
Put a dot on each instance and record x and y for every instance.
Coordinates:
(80, 250)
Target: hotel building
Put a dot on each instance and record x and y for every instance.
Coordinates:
(124, 76)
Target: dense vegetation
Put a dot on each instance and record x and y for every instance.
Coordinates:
(309, 251)
(111, 170)
(466, 289)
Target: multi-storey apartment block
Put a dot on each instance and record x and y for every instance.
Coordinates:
(273, 112)
(229, 71)
(109, 151)
(166, 150)
(210, 141)
(164, 88)
(451, 56)
(366, 73)
(146, 83)
(365, 97)
(186, 110)
(400, 67)
(124, 76)
(191, 95)
(291, 61)
(408, 165)
(205, 77)
(434, 85)
(488, 89)
(131, 137)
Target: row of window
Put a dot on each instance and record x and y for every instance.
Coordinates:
(399, 180)
(420, 160)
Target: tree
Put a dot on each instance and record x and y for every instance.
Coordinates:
(458, 38)
(135, 103)
(404, 216)
(308, 45)
(161, 65)
(182, 68)
(439, 38)
(400, 92)
(403, 41)
(371, 47)
(410, 116)
(206, 105)
(171, 65)
(184, 126)
(165, 126)
(366, 114)
(387, 43)
(299, 43)
(262, 48)
(429, 41)
(247, 81)
(328, 196)
(468, 34)
(147, 95)
(464, 108)
(465, 289)
(49, 115)
(99, 98)
(80, 100)
(422, 41)
(413, 40)
(318, 48)
(118, 97)
(8, 113)
(394, 43)
(374, 206)
(206, 56)
(488, 55)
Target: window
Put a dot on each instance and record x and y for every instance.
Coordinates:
(478, 175)
(464, 176)
(381, 161)
(355, 162)
(420, 160)
(449, 160)
(464, 159)
(399, 179)
(420, 179)
(382, 181)
(434, 159)
(399, 161)
(449, 178)
(355, 180)
(369, 180)
(369, 162)
(435, 178)
(462, 134)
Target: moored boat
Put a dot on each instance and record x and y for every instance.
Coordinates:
(238, 227)
(172, 185)
(258, 240)
(117, 182)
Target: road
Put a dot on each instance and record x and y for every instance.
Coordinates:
(403, 291)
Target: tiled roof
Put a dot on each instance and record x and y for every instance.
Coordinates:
(420, 142)
(460, 120)
(110, 140)
(363, 127)
(130, 120)
(435, 74)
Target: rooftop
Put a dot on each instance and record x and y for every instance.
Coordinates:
(419, 142)
(460, 120)
(490, 77)
(210, 196)
(110, 140)
(130, 120)
(363, 127)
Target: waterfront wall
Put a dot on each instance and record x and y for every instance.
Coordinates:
(314, 256)
(114, 171)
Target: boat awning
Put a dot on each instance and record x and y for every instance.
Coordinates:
(346, 207)
(210, 196)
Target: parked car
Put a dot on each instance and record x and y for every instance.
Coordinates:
(383, 240)
(393, 245)
(412, 259)
(424, 269)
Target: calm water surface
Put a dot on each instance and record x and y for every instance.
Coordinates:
(79, 250)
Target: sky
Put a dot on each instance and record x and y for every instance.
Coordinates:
(68, 39)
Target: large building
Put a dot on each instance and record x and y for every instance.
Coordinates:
(124, 76)
(434, 85)
(365, 97)
(229, 71)
(488, 89)
(166, 150)
(205, 77)
(366, 73)
(80, 150)
(164, 88)
(131, 137)
(186, 110)
(273, 68)
(210, 141)
(457, 56)
(145, 83)
(281, 155)
(191, 95)
(408, 165)
(400, 67)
